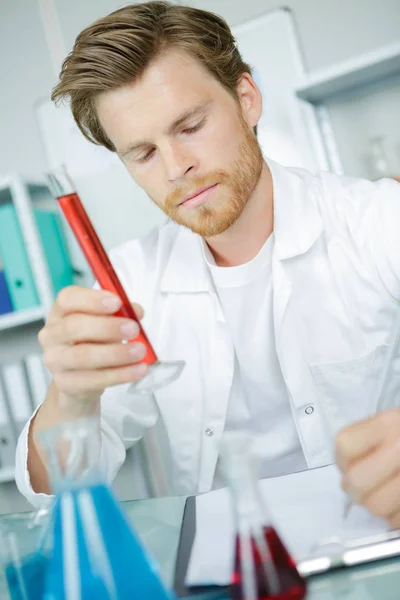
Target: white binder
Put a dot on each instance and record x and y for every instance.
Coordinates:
(38, 379)
(8, 436)
(17, 394)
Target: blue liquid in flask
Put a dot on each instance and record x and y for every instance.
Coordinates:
(96, 554)
(26, 580)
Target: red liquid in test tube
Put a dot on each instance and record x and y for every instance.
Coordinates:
(160, 372)
(100, 264)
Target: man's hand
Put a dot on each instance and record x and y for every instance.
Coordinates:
(368, 454)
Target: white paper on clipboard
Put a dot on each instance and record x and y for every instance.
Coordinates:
(306, 508)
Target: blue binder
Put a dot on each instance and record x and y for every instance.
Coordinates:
(55, 249)
(5, 300)
(15, 260)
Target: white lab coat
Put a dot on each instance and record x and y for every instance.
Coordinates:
(336, 281)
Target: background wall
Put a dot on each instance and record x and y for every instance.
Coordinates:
(25, 75)
(329, 31)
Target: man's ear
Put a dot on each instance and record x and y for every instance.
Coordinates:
(250, 99)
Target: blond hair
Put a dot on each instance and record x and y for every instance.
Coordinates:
(116, 50)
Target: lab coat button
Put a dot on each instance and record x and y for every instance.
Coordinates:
(309, 410)
(209, 432)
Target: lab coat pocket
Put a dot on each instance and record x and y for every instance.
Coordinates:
(348, 390)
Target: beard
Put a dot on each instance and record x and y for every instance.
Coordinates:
(234, 189)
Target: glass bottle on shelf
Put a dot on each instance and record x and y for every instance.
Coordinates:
(379, 165)
(263, 568)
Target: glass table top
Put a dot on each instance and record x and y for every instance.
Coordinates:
(158, 522)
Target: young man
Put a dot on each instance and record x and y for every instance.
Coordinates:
(277, 287)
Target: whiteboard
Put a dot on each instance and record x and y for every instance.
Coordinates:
(103, 182)
(269, 45)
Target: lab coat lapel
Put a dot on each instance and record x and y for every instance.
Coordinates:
(205, 384)
(297, 228)
(219, 379)
(297, 225)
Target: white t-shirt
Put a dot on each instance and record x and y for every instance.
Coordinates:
(259, 398)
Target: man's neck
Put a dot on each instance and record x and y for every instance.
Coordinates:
(243, 241)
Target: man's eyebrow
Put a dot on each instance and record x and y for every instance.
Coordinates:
(192, 112)
(187, 115)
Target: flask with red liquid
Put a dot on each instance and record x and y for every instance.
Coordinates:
(263, 568)
(160, 372)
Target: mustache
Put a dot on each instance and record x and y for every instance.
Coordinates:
(196, 183)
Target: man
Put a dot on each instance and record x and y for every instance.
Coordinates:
(278, 288)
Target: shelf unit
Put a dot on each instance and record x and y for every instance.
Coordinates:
(26, 194)
(352, 75)
(23, 193)
(347, 79)
(23, 317)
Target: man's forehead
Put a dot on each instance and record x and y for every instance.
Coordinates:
(175, 72)
(175, 68)
(161, 96)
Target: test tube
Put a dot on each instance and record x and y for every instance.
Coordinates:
(62, 187)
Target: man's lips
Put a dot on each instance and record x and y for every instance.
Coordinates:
(198, 197)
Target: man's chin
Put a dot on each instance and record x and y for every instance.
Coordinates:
(211, 228)
(209, 219)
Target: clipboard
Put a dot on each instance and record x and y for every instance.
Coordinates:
(329, 554)
(186, 539)
(356, 553)
(352, 553)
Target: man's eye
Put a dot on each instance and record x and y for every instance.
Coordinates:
(145, 157)
(194, 128)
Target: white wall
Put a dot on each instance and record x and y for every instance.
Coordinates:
(25, 75)
(329, 31)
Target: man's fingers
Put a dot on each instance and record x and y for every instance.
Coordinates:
(87, 357)
(138, 310)
(358, 440)
(394, 520)
(372, 472)
(78, 328)
(368, 453)
(75, 299)
(385, 500)
(75, 383)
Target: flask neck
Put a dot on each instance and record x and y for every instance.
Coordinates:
(72, 452)
(240, 466)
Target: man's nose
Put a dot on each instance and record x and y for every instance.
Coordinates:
(178, 162)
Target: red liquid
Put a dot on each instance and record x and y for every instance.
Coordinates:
(291, 586)
(100, 264)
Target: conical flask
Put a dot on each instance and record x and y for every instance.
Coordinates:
(95, 553)
(24, 554)
(263, 568)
